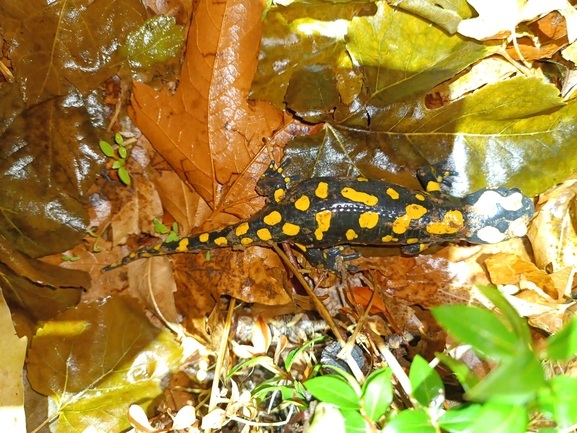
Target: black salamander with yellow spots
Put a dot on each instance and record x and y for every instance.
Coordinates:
(325, 212)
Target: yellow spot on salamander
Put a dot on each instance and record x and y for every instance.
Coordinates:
(433, 186)
(182, 245)
(392, 193)
(302, 247)
(203, 237)
(362, 179)
(412, 241)
(145, 255)
(278, 195)
(350, 235)
(221, 241)
(264, 234)
(132, 255)
(290, 229)
(415, 211)
(272, 218)
(420, 197)
(246, 241)
(240, 230)
(452, 222)
(322, 190)
(324, 223)
(387, 239)
(303, 203)
(359, 196)
(158, 247)
(368, 220)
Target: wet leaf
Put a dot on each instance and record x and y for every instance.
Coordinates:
(64, 43)
(157, 40)
(207, 131)
(49, 157)
(106, 355)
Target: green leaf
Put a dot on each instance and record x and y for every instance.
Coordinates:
(118, 140)
(97, 359)
(335, 390)
(481, 328)
(466, 377)
(354, 421)
(172, 237)
(159, 227)
(515, 381)
(70, 259)
(123, 175)
(501, 418)
(563, 345)
(410, 421)
(460, 418)
(122, 152)
(106, 148)
(156, 41)
(428, 388)
(559, 400)
(118, 164)
(293, 353)
(377, 393)
(509, 314)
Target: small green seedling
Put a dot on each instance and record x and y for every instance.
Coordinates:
(119, 155)
(163, 229)
(70, 259)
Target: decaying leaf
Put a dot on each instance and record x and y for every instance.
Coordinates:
(106, 356)
(49, 157)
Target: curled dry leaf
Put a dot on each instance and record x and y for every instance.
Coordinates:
(552, 232)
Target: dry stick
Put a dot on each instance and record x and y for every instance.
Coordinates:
(346, 356)
(318, 304)
(214, 392)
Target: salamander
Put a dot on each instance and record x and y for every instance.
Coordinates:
(325, 212)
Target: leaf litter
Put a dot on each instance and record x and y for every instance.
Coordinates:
(375, 116)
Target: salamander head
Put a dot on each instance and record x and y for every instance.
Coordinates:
(495, 215)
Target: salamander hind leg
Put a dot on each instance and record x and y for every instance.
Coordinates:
(330, 258)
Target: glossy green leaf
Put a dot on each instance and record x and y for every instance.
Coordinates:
(482, 329)
(563, 345)
(124, 176)
(118, 139)
(501, 418)
(118, 164)
(172, 237)
(514, 321)
(106, 148)
(354, 421)
(559, 400)
(410, 421)
(460, 418)
(466, 377)
(49, 158)
(515, 381)
(157, 40)
(377, 393)
(97, 359)
(335, 390)
(57, 44)
(428, 388)
(159, 227)
(122, 152)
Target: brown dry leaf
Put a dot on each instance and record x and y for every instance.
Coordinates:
(253, 275)
(207, 131)
(551, 32)
(552, 232)
(511, 269)
(445, 277)
(261, 338)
